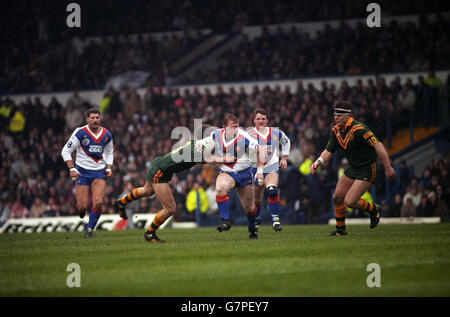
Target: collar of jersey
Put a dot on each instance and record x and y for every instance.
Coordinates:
(263, 137)
(349, 123)
(96, 136)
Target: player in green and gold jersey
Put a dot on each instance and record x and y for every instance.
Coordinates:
(160, 173)
(362, 149)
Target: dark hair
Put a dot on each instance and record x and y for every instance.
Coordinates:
(260, 111)
(343, 105)
(92, 110)
(229, 117)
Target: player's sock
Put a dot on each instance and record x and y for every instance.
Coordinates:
(339, 213)
(93, 219)
(133, 195)
(223, 203)
(251, 218)
(274, 207)
(365, 206)
(258, 209)
(156, 223)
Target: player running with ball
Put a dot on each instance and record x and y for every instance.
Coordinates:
(272, 138)
(362, 149)
(231, 140)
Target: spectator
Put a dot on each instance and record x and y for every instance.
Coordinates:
(440, 207)
(5, 210)
(52, 208)
(406, 102)
(197, 202)
(19, 210)
(74, 117)
(37, 209)
(414, 194)
(408, 210)
(396, 207)
(424, 209)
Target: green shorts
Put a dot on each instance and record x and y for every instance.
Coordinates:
(366, 173)
(157, 174)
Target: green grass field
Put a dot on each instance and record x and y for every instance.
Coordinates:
(299, 261)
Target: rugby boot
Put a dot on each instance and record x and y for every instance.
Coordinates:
(152, 237)
(375, 216)
(253, 233)
(276, 225)
(120, 208)
(337, 233)
(89, 233)
(225, 225)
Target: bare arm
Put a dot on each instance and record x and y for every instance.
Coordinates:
(384, 158)
(323, 159)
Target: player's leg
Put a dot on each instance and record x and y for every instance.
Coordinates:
(98, 193)
(247, 198)
(273, 198)
(137, 193)
(164, 196)
(353, 200)
(224, 183)
(82, 196)
(342, 187)
(259, 193)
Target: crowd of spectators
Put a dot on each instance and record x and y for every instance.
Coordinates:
(334, 51)
(41, 58)
(34, 180)
(424, 196)
(64, 67)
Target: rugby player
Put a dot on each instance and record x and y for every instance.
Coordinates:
(272, 138)
(362, 148)
(93, 163)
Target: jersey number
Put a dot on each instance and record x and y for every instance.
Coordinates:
(373, 140)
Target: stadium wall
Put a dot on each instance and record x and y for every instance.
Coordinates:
(66, 224)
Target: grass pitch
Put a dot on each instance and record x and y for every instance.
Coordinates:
(299, 261)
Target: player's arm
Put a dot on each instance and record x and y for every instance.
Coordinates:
(285, 150)
(206, 146)
(108, 156)
(215, 159)
(326, 155)
(260, 151)
(382, 154)
(384, 158)
(323, 159)
(66, 154)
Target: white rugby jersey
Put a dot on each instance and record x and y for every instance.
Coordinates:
(240, 147)
(94, 151)
(272, 139)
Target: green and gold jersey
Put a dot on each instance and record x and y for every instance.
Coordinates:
(180, 159)
(356, 140)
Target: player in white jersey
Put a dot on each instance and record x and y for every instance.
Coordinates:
(272, 138)
(94, 159)
(230, 140)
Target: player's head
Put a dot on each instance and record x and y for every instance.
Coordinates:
(342, 112)
(93, 118)
(230, 124)
(260, 117)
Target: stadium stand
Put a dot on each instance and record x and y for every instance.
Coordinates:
(33, 178)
